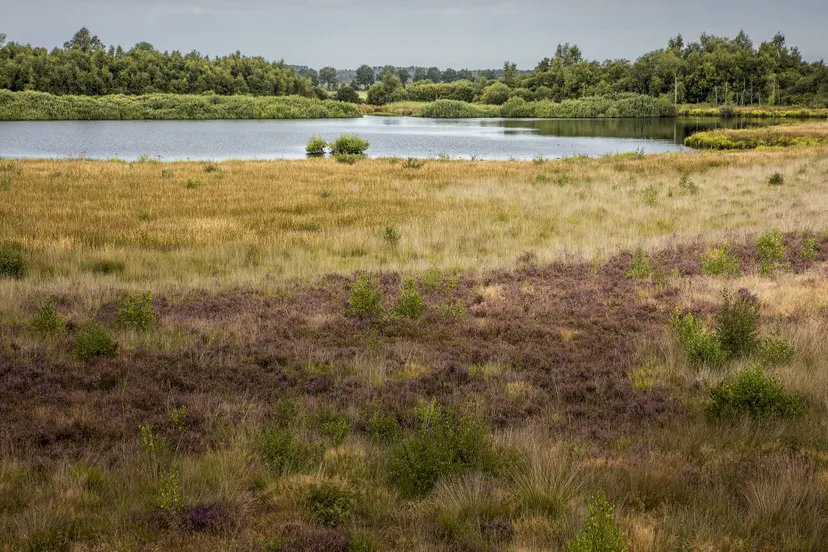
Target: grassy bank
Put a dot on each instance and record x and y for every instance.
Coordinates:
(809, 134)
(192, 356)
(37, 106)
(624, 105)
(752, 112)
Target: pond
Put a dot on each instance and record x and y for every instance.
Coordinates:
(389, 137)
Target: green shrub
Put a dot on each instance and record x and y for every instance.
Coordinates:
(776, 179)
(495, 94)
(46, 320)
(106, 266)
(719, 261)
(443, 444)
(810, 249)
(279, 448)
(285, 412)
(347, 94)
(391, 235)
(383, 427)
(349, 145)
(334, 426)
(329, 504)
(12, 262)
(366, 296)
(454, 109)
(775, 351)
(348, 158)
(772, 255)
(737, 323)
(410, 303)
(316, 146)
(702, 347)
(600, 532)
(640, 266)
(754, 393)
(93, 341)
(192, 184)
(137, 312)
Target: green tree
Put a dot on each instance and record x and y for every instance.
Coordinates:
(420, 74)
(327, 77)
(364, 76)
(404, 76)
(433, 74)
(449, 75)
(510, 74)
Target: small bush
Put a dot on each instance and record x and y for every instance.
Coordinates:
(329, 504)
(810, 248)
(410, 303)
(211, 168)
(349, 145)
(366, 296)
(46, 320)
(737, 323)
(348, 158)
(137, 312)
(106, 266)
(688, 185)
(334, 426)
(12, 262)
(444, 444)
(719, 262)
(285, 412)
(347, 94)
(391, 236)
(600, 532)
(279, 448)
(702, 347)
(640, 266)
(775, 351)
(776, 179)
(93, 341)
(754, 393)
(383, 427)
(316, 146)
(772, 255)
(192, 184)
(413, 163)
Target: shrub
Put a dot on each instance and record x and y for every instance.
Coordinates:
(737, 323)
(106, 266)
(754, 393)
(413, 163)
(192, 184)
(279, 448)
(810, 248)
(93, 341)
(347, 94)
(455, 109)
(46, 320)
(316, 146)
(444, 444)
(211, 168)
(349, 145)
(702, 347)
(775, 351)
(495, 94)
(383, 427)
(348, 158)
(334, 426)
(12, 262)
(640, 266)
(168, 494)
(391, 235)
(772, 253)
(410, 303)
(329, 504)
(366, 296)
(719, 261)
(137, 312)
(600, 532)
(688, 185)
(776, 179)
(285, 412)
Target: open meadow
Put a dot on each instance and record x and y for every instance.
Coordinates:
(622, 353)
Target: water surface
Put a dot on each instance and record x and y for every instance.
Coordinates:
(389, 137)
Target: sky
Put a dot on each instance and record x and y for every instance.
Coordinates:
(474, 34)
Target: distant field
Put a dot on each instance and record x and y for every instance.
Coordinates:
(415, 355)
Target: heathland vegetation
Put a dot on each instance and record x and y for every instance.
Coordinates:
(803, 134)
(610, 354)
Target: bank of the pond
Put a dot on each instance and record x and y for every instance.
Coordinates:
(38, 106)
(760, 112)
(805, 134)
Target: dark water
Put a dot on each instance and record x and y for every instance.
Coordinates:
(389, 137)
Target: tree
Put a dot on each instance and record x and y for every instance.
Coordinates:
(420, 74)
(404, 76)
(364, 76)
(327, 77)
(387, 69)
(347, 94)
(433, 74)
(489, 74)
(2, 39)
(510, 74)
(449, 75)
(465, 74)
(388, 90)
(84, 40)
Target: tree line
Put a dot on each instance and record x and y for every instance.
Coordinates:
(715, 70)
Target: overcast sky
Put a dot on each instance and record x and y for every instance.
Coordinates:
(471, 34)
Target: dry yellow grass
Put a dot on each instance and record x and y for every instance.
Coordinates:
(259, 223)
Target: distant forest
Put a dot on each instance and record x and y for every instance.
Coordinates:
(711, 70)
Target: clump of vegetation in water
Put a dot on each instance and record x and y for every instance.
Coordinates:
(316, 146)
(349, 145)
